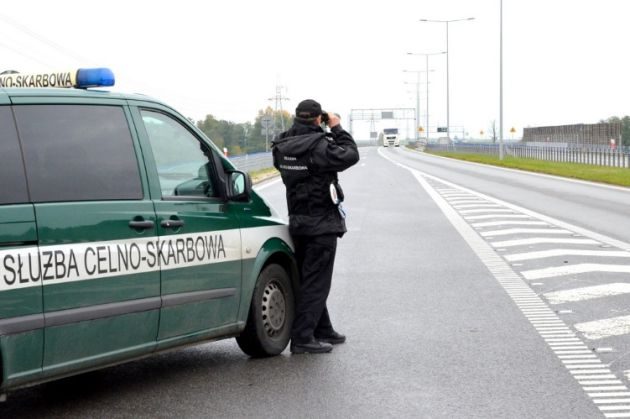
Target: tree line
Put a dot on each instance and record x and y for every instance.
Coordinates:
(245, 138)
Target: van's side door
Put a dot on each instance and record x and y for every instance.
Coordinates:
(96, 231)
(21, 313)
(199, 239)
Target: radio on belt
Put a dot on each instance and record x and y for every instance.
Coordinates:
(81, 78)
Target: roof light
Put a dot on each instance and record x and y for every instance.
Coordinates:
(94, 77)
(81, 78)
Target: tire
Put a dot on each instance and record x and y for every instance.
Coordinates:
(271, 313)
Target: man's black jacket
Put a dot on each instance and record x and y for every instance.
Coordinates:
(308, 160)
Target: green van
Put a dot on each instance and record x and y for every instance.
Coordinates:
(124, 232)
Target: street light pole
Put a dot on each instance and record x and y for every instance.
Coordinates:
(426, 57)
(417, 122)
(501, 150)
(448, 121)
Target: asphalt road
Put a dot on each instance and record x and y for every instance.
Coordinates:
(440, 323)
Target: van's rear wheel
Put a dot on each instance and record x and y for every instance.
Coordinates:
(271, 312)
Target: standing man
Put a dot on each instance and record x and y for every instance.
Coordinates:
(309, 159)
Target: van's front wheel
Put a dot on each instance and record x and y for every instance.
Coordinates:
(271, 312)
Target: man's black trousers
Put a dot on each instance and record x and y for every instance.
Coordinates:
(316, 258)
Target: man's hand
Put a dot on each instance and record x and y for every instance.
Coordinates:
(333, 120)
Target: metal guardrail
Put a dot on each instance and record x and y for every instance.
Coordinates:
(597, 156)
(255, 161)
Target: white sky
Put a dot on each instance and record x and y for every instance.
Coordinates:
(565, 61)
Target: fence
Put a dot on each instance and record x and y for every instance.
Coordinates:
(599, 156)
(250, 162)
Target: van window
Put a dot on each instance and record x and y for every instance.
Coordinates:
(183, 161)
(78, 153)
(13, 189)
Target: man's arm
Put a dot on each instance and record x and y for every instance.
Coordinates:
(339, 154)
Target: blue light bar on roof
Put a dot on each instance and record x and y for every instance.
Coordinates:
(94, 77)
(81, 78)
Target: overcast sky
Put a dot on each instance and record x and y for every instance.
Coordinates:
(565, 61)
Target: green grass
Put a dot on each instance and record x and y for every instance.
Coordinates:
(610, 175)
(263, 174)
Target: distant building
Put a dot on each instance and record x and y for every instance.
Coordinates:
(573, 135)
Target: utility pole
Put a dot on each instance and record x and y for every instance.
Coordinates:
(278, 99)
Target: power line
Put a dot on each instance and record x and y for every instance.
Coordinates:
(59, 48)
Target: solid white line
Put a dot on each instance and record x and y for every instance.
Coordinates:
(605, 388)
(599, 382)
(608, 408)
(609, 394)
(581, 268)
(487, 211)
(587, 293)
(617, 415)
(605, 401)
(517, 257)
(542, 240)
(583, 362)
(464, 206)
(594, 376)
(485, 217)
(583, 356)
(509, 222)
(511, 231)
(599, 329)
(584, 367)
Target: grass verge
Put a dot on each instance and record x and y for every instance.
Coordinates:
(263, 174)
(610, 175)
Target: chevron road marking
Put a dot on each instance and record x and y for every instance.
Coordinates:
(587, 293)
(574, 269)
(516, 257)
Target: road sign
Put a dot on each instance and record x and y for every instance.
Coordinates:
(512, 130)
(420, 129)
(266, 121)
(442, 129)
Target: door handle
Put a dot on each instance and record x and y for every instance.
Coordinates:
(174, 224)
(141, 224)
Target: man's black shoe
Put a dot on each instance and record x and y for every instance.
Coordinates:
(311, 347)
(333, 338)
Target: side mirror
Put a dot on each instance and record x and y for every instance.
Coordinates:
(239, 186)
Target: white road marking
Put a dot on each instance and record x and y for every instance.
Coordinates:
(509, 231)
(604, 328)
(605, 401)
(458, 201)
(492, 216)
(477, 205)
(587, 293)
(565, 252)
(574, 269)
(542, 240)
(512, 282)
(509, 222)
(487, 211)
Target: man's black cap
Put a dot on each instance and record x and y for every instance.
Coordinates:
(308, 109)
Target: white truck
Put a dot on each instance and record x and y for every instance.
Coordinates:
(389, 137)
